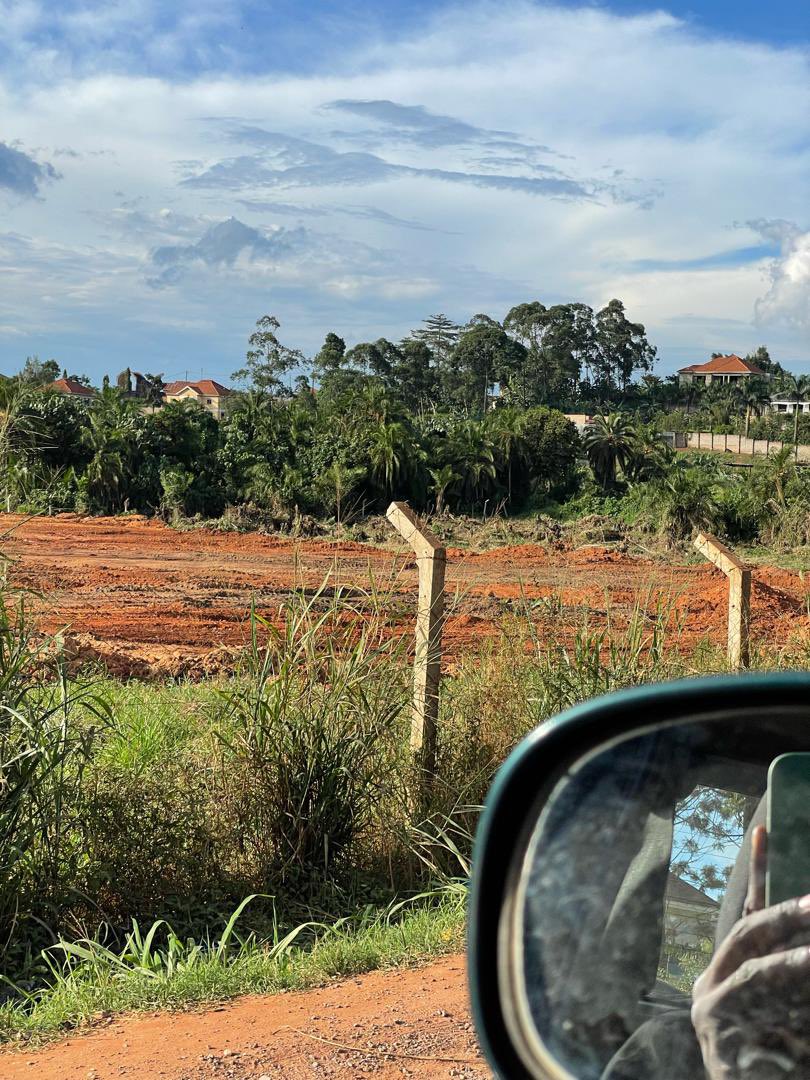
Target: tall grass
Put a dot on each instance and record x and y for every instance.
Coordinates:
(135, 819)
(312, 738)
(46, 742)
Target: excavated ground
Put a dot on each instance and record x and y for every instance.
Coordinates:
(150, 601)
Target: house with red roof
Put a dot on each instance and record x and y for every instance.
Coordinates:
(71, 388)
(207, 393)
(722, 369)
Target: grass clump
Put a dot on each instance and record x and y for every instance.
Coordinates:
(159, 970)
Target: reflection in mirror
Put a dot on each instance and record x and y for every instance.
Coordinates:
(635, 873)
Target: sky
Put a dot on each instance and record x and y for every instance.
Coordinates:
(170, 173)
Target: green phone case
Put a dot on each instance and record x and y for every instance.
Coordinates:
(788, 873)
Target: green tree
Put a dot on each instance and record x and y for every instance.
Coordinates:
(506, 430)
(755, 395)
(336, 484)
(685, 499)
(761, 357)
(111, 439)
(622, 348)
(549, 447)
(38, 372)
(268, 362)
(528, 323)
(392, 455)
(330, 359)
(442, 480)
(651, 457)
(413, 374)
(484, 355)
(610, 443)
(439, 334)
(472, 457)
(558, 340)
(798, 389)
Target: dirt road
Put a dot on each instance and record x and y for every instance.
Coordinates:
(387, 1024)
(149, 600)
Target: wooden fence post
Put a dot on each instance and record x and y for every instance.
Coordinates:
(431, 559)
(739, 595)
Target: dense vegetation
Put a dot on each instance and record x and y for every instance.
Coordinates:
(461, 418)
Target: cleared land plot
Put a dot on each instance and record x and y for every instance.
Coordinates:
(149, 600)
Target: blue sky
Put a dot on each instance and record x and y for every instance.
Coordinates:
(169, 173)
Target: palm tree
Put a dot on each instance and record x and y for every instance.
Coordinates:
(390, 454)
(375, 400)
(651, 455)
(798, 388)
(111, 437)
(686, 499)
(255, 408)
(692, 392)
(771, 476)
(472, 456)
(443, 479)
(506, 429)
(610, 443)
(755, 396)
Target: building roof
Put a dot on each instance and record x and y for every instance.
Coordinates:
(71, 386)
(203, 387)
(724, 365)
(678, 889)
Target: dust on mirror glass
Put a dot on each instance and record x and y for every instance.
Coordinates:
(641, 946)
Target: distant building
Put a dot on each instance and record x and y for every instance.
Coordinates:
(580, 420)
(781, 403)
(690, 916)
(211, 395)
(71, 388)
(721, 369)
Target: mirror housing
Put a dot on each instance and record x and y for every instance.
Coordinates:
(517, 799)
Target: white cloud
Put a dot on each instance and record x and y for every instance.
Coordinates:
(501, 153)
(788, 298)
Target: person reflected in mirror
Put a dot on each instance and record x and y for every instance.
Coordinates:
(751, 1006)
(750, 1009)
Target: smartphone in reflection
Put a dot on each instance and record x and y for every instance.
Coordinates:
(788, 808)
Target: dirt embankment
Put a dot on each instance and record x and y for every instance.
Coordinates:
(150, 601)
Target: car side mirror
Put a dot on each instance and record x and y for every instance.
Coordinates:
(611, 856)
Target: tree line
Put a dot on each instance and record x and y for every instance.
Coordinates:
(538, 355)
(467, 418)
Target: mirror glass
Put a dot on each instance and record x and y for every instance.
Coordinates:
(635, 871)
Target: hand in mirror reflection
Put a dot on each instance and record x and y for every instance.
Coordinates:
(750, 1006)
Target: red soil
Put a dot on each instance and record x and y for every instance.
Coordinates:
(147, 599)
(387, 1024)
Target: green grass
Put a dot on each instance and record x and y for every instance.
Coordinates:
(83, 988)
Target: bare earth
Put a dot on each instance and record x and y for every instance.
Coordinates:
(150, 601)
(386, 1025)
